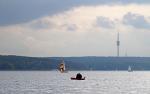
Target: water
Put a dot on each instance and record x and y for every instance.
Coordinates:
(53, 82)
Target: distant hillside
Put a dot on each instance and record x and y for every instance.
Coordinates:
(12, 62)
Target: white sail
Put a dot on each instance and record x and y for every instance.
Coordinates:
(129, 69)
(62, 67)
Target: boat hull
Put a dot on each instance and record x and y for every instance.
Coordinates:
(64, 71)
(73, 78)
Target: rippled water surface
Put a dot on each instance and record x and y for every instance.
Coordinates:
(53, 82)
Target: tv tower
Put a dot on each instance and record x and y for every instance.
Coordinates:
(118, 44)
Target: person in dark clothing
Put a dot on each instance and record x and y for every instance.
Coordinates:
(78, 76)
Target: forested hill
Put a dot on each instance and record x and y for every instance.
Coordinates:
(12, 62)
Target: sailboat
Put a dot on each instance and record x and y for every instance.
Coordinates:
(129, 69)
(62, 67)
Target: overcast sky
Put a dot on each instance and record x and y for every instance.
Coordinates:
(74, 27)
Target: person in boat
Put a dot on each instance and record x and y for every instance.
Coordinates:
(78, 76)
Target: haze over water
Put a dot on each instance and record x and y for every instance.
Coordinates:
(53, 82)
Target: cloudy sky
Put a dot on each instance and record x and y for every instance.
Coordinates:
(74, 27)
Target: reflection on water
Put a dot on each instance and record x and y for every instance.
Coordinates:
(53, 82)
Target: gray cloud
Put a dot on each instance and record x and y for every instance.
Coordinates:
(40, 24)
(136, 20)
(71, 27)
(19, 11)
(104, 22)
(134, 1)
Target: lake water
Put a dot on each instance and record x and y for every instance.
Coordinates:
(53, 82)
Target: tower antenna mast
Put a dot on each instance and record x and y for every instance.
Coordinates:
(118, 44)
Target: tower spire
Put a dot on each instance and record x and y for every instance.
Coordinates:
(118, 44)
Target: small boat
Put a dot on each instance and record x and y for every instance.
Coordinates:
(62, 67)
(129, 69)
(73, 78)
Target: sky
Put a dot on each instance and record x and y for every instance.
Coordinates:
(74, 27)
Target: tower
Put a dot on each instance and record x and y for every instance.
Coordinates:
(118, 44)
